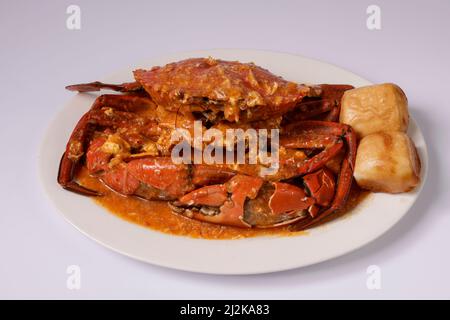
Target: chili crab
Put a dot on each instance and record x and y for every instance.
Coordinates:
(234, 91)
(121, 141)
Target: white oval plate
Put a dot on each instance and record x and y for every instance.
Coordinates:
(372, 218)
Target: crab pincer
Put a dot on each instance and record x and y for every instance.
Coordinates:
(246, 201)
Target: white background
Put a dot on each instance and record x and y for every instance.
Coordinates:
(39, 56)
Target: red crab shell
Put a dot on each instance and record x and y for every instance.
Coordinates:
(242, 91)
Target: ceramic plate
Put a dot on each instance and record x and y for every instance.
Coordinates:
(373, 217)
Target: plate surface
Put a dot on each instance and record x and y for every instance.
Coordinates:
(372, 217)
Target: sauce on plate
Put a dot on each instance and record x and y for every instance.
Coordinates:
(157, 215)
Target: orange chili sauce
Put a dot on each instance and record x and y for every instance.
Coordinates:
(157, 215)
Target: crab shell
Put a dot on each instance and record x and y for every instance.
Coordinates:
(241, 91)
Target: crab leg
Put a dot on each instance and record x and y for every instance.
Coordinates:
(335, 93)
(125, 102)
(326, 107)
(309, 134)
(310, 108)
(97, 86)
(319, 134)
(333, 115)
(319, 160)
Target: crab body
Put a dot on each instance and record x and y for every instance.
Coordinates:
(124, 141)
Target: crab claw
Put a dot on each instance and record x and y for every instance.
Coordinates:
(71, 158)
(247, 202)
(65, 178)
(79, 139)
(286, 204)
(321, 186)
(221, 204)
(161, 173)
(343, 185)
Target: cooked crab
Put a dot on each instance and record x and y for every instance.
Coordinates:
(124, 141)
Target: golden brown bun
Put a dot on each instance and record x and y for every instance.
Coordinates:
(387, 162)
(382, 107)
